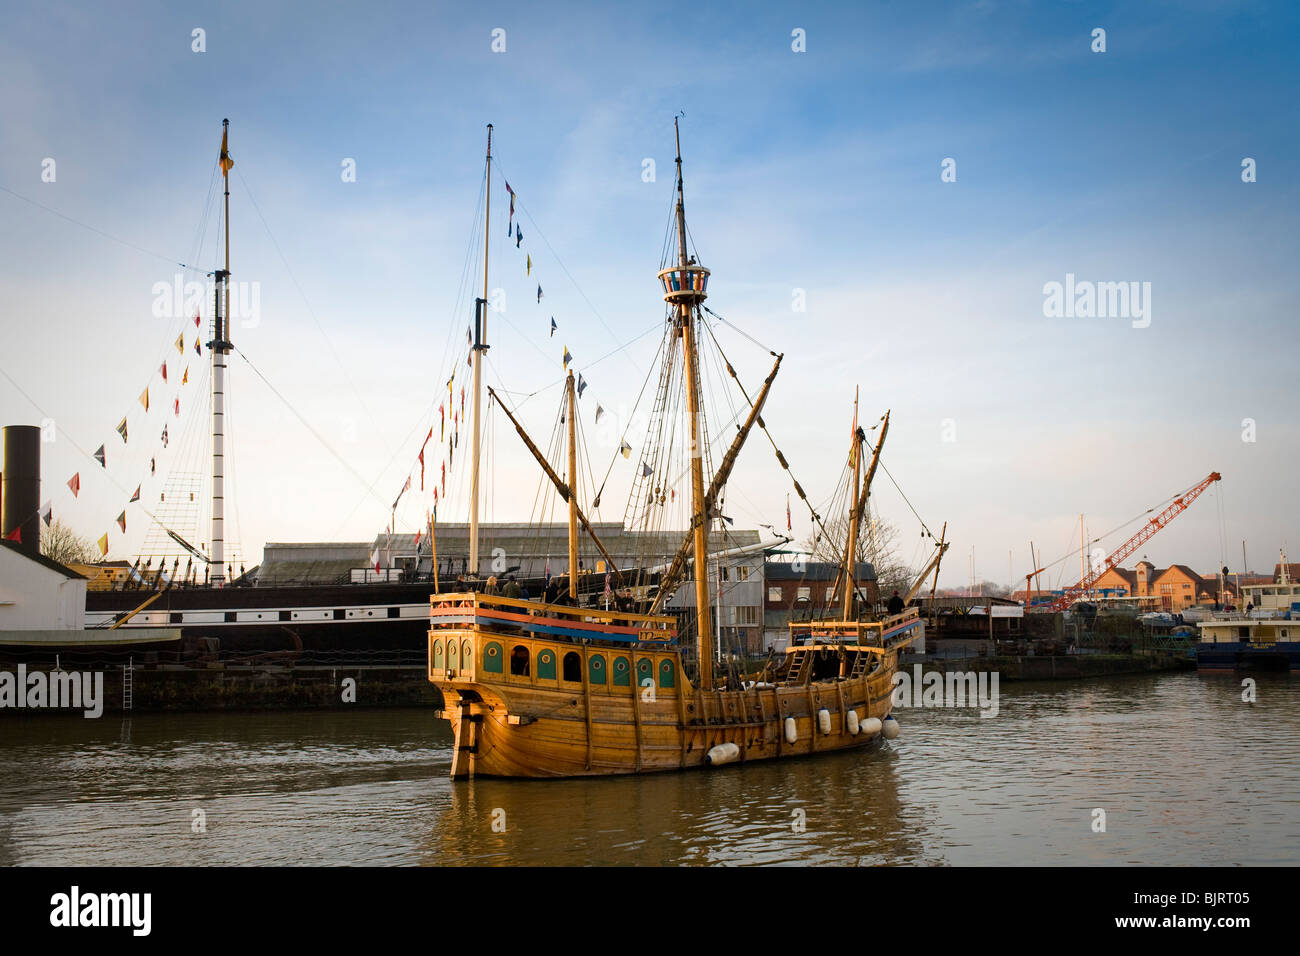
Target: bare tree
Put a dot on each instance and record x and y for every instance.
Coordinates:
(60, 543)
(877, 543)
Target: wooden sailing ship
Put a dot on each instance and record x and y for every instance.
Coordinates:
(538, 689)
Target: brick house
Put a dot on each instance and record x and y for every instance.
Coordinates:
(801, 592)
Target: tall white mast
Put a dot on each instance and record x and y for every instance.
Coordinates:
(479, 346)
(219, 347)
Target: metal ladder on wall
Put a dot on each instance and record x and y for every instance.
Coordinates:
(128, 683)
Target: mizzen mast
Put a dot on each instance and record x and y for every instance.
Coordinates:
(480, 346)
(219, 348)
(685, 287)
(572, 413)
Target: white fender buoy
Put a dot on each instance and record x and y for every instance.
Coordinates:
(722, 753)
(824, 720)
(871, 726)
(791, 733)
(854, 726)
(891, 729)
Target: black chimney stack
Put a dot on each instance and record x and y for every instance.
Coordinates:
(20, 486)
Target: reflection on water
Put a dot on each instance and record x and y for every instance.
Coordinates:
(1185, 771)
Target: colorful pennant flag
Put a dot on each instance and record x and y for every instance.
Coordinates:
(405, 488)
(47, 513)
(529, 260)
(625, 449)
(512, 207)
(197, 350)
(121, 430)
(121, 521)
(582, 384)
(152, 462)
(787, 513)
(144, 399)
(599, 411)
(567, 357)
(519, 236)
(135, 496)
(180, 344)
(224, 159)
(164, 436)
(196, 320)
(185, 379)
(422, 447)
(16, 534)
(103, 545)
(553, 326)
(177, 407)
(100, 457)
(164, 371)
(539, 293)
(646, 470)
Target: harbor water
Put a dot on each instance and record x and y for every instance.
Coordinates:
(1184, 770)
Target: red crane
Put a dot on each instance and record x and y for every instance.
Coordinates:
(1175, 508)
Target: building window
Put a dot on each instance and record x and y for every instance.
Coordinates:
(774, 595)
(1166, 589)
(805, 594)
(726, 573)
(742, 573)
(830, 594)
(519, 661)
(746, 614)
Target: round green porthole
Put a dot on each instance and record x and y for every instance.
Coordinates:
(492, 658)
(666, 674)
(546, 664)
(622, 672)
(596, 669)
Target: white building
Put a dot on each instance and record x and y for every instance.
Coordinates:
(37, 594)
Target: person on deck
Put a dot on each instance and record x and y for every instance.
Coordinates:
(511, 590)
(491, 586)
(895, 604)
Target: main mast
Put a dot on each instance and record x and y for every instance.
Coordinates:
(850, 560)
(685, 287)
(219, 347)
(479, 346)
(573, 488)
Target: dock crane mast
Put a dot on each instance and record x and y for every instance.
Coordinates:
(1173, 510)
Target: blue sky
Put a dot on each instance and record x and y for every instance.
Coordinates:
(817, 171)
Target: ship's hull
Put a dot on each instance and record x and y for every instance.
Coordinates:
(522, 705)
(1225, 658)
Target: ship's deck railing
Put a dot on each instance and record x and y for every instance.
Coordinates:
(494, 612)
(874, 635)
